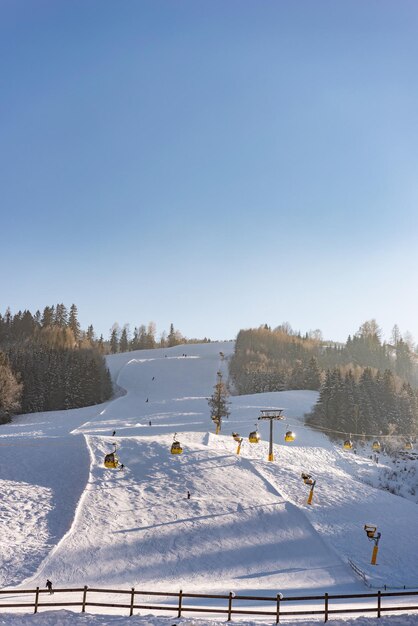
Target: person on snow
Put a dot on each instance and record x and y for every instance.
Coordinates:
(49, 586)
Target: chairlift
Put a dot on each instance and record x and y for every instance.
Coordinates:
(408, 445)
(254, 436)
(237, 437)
(111, 460)
(376, 446)
(348, 444)
(175, 446)
(289, 436)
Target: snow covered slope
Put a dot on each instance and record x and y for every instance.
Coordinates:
(246, 525)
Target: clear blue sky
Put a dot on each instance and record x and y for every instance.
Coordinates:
(217, 164)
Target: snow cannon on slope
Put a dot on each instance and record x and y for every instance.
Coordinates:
(237, 437)
(308, 480)
(373, 535)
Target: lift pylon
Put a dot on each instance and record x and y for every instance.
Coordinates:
(271, 414)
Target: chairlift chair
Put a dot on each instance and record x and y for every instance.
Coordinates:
(254, 437)
(289, 436)
(348, 444)
(111, 460)
(175, 446)
(408, 445)
(376, 446)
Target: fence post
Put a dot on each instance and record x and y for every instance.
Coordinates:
(36, 599)
(83, 608)
(379, 602)
(326, 607)
(278, 609)
(131, 612)
(230, 606)
(180, 602)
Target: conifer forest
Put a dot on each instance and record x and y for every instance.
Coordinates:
(47, 362)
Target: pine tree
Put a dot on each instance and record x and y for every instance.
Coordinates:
(48, 317)
(90, 334)
(100, 345)
(114, 339)
(10, 390)
(312, 375)
(150, 335)
(73, 322)
(174, 338)
(218, 402)
(61, 316)
(124, 341)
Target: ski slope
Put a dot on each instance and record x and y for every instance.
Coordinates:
(246, 526)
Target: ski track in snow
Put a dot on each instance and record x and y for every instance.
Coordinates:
(247, 525)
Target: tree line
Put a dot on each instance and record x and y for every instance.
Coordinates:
(48, 363)
(144, 337)
(374, 403)
(274, 360)
(373, 379)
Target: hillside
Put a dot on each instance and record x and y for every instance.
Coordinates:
(246, 527)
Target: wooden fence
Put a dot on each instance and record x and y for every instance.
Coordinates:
(278, 606)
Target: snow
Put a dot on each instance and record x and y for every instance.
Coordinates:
(247, 526)
(66, 618)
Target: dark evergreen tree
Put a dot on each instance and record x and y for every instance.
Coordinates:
(61, 316)
(218, 402)
(124, 341)
(48, 317)
(174, 338)
(73, 322)
(312, 379)
(114, 340)
(90, 334)
(10, 390)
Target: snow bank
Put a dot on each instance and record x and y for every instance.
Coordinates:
(66, 618)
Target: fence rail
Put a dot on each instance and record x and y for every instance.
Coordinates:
(323, 605)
